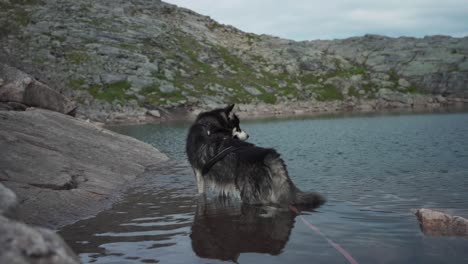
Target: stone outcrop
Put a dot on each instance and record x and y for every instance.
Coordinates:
(19, 90)
(118, 59)
(63, 168)
(441, 224)
(20, 243)
(436, 64)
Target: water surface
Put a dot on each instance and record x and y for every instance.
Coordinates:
(374, 170)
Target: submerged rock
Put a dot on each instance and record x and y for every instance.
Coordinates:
(441, 224)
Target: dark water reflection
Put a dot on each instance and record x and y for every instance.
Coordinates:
(374, 170)
(225, 229)
(161, 218)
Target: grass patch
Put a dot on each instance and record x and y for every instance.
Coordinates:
(309, 79)
(15, 13)
(233, 61)
(213, 25)
(39, 60)
(111, 92)
(414, 90)
(266, 97)
(329, 93)
(22, 17)
(353, 92)
(76, 83)
(354, 70)
(127, 46)
(153, 96)
(251, 38)
(393, 76)
(77, 57)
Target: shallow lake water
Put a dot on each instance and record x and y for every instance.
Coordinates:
(374, 170)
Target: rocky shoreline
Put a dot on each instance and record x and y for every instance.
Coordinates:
(406, 103)
(143, 61)
(57, 169)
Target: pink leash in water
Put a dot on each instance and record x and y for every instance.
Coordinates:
(316, 230)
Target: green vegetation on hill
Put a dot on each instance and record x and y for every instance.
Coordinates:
(111, 92)
(173, 57)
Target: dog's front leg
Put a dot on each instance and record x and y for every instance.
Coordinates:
(200, 182)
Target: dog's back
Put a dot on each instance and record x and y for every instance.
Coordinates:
(258, 175)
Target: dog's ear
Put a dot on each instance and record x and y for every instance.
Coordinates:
(235, 119)
(228, 109)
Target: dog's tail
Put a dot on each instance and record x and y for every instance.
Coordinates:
(311, 199)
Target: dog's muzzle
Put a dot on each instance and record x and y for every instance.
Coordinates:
(242, 135)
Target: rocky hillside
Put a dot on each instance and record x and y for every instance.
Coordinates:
(117, 56)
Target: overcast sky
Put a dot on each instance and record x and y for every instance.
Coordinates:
(330, 19)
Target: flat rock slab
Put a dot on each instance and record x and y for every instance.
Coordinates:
(64, 169)
(440, 224)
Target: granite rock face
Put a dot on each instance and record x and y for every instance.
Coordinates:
(118, 59)
(64, 169)
(435, 64)
(441, 224)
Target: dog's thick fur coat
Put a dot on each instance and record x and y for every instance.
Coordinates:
(257, 174)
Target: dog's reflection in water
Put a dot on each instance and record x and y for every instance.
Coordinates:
(224, 228)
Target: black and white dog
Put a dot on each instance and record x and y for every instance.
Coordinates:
(231, 166)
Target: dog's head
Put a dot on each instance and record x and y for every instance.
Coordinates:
(223, 120)
(237, 132)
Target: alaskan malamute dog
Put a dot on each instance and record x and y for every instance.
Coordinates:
(222, 159)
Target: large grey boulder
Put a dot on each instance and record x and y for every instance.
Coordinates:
(441, 224)
(40, 95)
(64, 169)
(21, 88)
(14, 84)
(20, 243)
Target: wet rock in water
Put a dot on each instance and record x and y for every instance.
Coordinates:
(20, 243)
(440, 224)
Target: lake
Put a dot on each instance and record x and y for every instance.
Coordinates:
(375, 170)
